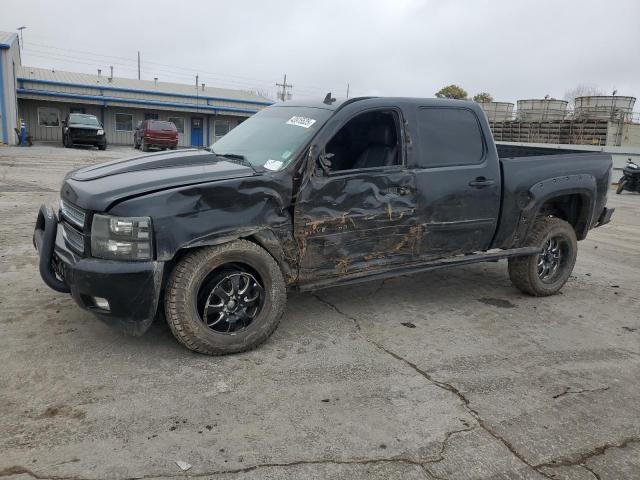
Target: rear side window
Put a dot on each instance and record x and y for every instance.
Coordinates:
(449, 136)
(158, 125)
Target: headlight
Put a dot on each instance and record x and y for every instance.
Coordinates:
(100, 132)
(121, 238)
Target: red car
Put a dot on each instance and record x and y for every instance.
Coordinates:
(155, 133)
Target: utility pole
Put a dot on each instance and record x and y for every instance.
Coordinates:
(20, 29)
(284, 85)
(138, 64)
(347, 90)
(197, 99)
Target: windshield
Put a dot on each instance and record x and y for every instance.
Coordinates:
(84, 119)
(160, 125)
(273, 136)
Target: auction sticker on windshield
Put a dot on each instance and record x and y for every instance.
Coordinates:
(303, 122)
(273, 164)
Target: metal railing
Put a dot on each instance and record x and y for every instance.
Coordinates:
(570, 114)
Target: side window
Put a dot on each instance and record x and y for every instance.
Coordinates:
(48, 117)
(178, 122)
(220, 129)
(368, 140)
(449, 136)
(124, 122)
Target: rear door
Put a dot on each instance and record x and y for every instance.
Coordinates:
(458, 180)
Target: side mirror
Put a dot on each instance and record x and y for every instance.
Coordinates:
(324, 162)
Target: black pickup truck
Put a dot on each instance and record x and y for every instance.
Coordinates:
(311, 195)
(83, 129)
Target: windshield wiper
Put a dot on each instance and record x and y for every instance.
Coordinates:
(241, 159)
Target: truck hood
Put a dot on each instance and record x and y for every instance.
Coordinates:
(98, 187)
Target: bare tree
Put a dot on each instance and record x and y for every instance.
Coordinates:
(581, 90)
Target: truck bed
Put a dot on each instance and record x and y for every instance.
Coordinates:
(525, 168)
(517, 151)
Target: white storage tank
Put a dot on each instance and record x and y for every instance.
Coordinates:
(541, 110)
(498, 111)
(604, 107)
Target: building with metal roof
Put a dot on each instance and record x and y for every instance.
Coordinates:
(42, 98)
(9, 61)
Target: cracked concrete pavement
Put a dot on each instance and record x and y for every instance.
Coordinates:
(444, 375)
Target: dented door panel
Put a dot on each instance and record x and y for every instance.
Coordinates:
(355, 221)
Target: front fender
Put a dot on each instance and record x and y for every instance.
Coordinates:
(280, 245)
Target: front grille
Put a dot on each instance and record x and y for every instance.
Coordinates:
(72, 213)
(82, 133)
(73, 238)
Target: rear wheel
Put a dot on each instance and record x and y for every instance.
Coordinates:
(225, 299)
(546, 273)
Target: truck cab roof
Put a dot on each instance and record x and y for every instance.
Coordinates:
(338, 103)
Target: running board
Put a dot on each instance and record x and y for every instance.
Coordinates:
(359, 277)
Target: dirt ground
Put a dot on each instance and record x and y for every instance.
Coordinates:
(446, 375)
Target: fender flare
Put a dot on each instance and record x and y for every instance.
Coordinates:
(263, 236)
(583, 185)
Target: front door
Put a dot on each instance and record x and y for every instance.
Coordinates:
(359, 213)
(196, 131)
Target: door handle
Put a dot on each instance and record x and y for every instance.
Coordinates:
(481, 182)
(404, 190)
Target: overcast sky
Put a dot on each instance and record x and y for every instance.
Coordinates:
(512, 49)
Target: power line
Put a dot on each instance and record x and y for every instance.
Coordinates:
(191, 71)
(174, 71)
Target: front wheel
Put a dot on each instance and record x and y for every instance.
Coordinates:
(621, 184)
(143, 145)
(225, 299)
(546, 273)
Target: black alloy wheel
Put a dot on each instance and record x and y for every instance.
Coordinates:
(229, 300)
(552, 259)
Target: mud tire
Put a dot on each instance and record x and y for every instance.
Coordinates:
(523, 271)
(185, 281)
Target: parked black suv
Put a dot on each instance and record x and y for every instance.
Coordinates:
(308, 196)
(83, 129)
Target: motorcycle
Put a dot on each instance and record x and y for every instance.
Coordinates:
(630, 179)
